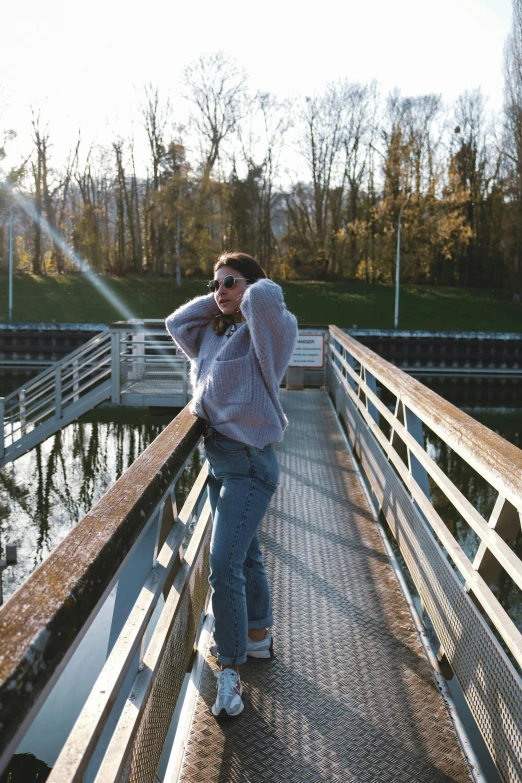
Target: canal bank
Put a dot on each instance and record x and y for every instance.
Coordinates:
(31, 345)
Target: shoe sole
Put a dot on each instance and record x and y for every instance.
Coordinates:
(262, 653)
(224, 714)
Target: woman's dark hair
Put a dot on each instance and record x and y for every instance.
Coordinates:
(247, 267)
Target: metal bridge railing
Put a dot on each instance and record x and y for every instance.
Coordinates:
(150, 361)
(134, 537)
(474, 629)
(129, 363)
(55, 397)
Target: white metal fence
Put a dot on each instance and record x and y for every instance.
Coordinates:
(474, 630)
(129, 364)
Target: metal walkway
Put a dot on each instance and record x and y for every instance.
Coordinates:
(350, 695)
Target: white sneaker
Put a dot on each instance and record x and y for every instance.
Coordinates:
(262, 649)
(229, 689)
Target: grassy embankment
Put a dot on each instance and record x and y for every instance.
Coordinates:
(73, 299)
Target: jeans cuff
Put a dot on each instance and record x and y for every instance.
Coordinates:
(266, 623)
(231, 661)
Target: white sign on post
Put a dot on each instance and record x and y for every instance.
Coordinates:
(308, 351)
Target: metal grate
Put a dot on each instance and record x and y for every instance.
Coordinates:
(349, 695)
(165, 690)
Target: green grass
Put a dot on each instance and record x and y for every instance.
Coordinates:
(72, 298)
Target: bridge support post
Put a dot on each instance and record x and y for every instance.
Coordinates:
(76, 385)
(115, 368)
(58, 392)
(22, 411)
(185, 380)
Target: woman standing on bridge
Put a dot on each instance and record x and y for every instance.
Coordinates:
(239, 339)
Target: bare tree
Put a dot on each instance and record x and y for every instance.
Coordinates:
(472, 162)
(356, 144)
(262, 141)
(91, 234)
(38, 166)
(216, 85)
(156, 116)
(323, 120)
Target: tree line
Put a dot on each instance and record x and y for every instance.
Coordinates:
(312, 187)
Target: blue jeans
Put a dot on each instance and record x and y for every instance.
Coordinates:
(241, 482)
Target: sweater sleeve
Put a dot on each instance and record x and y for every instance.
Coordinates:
(272, 327)
(187, 324)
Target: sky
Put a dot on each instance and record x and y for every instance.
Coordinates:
(85, 64)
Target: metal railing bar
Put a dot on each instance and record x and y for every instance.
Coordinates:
(43, 414)
(93, 360)
(122, 739)
(167, 341)
(74, 354)
(496, 544)
(496, 613)
(74, 379)
(33, 410)
(49, 390)
(37, 403)
(167, 360)
(88, 385)
(50, 409)
(42, 390)
(33, 436)
(34, 383)
(500, 462)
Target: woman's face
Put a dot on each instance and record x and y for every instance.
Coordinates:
(229, 299)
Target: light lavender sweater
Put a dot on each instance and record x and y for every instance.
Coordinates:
(236, 379)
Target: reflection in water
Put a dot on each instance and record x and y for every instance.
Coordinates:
(48, 490)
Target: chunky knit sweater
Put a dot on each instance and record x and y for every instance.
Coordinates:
(236, 379)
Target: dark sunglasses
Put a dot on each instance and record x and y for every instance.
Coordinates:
(229, 282)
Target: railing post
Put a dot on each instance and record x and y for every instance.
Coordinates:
(115, 367)
(22, 411)
(58, 392)
(414, 426)
(185, 378)
(76, 385)
(2, 414)
(372, 385)
(137, 353)
(351, 362)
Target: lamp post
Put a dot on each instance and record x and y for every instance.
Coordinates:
(398, 266)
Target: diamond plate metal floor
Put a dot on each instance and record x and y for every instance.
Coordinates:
(350, 695)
